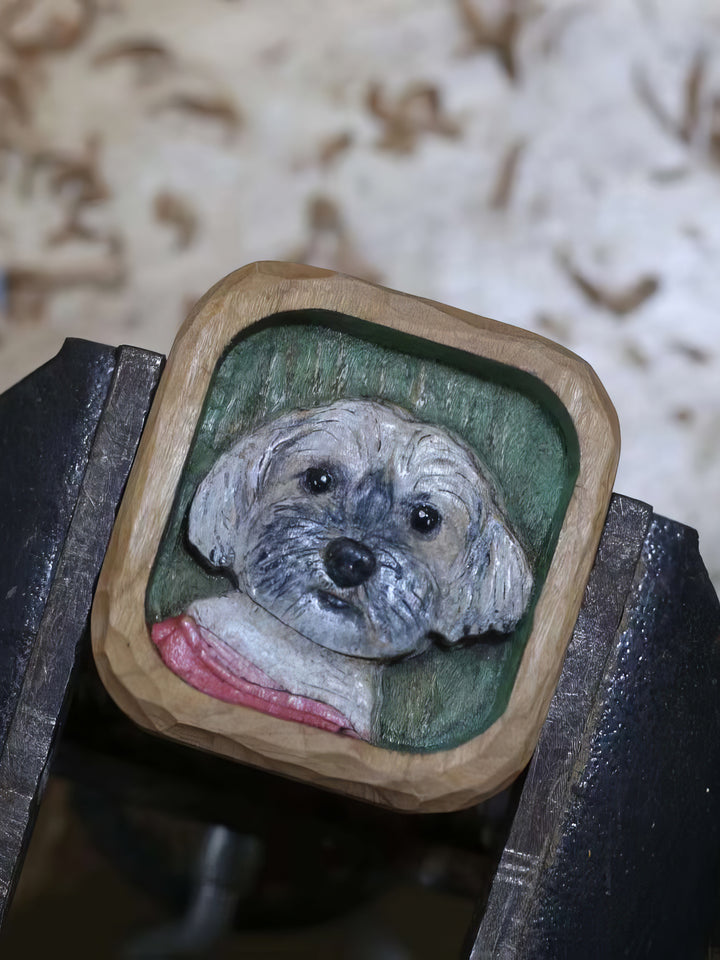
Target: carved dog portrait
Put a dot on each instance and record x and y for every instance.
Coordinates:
(355, 535)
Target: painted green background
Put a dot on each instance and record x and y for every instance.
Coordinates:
(515, 423)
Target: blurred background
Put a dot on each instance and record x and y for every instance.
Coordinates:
(553, 164)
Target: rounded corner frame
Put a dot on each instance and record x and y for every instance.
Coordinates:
(158, 700)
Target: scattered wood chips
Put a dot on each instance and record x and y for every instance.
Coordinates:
(176, 212)
(619, 301)
(416, 111)
(496, 34)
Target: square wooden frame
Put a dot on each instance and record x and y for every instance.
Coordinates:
(157, 699)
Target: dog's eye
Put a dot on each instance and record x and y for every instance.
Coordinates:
(317, 480)
(424, 518)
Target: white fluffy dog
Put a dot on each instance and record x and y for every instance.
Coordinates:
(355, 535)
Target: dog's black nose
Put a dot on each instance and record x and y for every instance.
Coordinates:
(348, 562)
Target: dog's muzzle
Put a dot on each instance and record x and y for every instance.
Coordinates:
(349, 563)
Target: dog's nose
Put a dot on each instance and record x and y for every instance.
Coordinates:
(348, 562)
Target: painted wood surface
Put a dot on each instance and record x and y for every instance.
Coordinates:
(374, 537)
(149, 692)
(436, 700)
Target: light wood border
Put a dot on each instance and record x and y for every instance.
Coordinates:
(155, 698)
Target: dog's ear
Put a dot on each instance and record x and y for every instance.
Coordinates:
(213, 514)
(224, 499)
(500, 583)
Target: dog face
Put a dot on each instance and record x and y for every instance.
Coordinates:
(364, 529)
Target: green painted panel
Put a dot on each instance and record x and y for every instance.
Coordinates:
(516, 424)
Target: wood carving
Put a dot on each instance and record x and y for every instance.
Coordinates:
(356, 535)
(355, 512)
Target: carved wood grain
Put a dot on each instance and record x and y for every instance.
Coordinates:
(160, 701)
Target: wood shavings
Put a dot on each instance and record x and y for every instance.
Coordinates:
(324, 214)
(47, 26)
(699, 120)
(330, 244)
(691, 352)
(618, 301)
(501, 192)
(28, 286)
(497, 34)
(176, 212)
(77, 175)
(416, 111)
(635, 356)
(70, 230)
(20, 81)
(71, 182)
(685, 127)
(326, 153)
(74, 230)
(714, 134)
(13, 98)
(150, 57)
(691, 108)
(77, 180)
(333, 147)
(219, 108)
(683, 415)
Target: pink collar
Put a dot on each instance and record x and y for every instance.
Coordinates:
(207, 663)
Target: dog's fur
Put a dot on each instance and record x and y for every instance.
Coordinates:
(254, 517)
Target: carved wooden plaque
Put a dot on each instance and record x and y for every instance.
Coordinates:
(356, 537)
